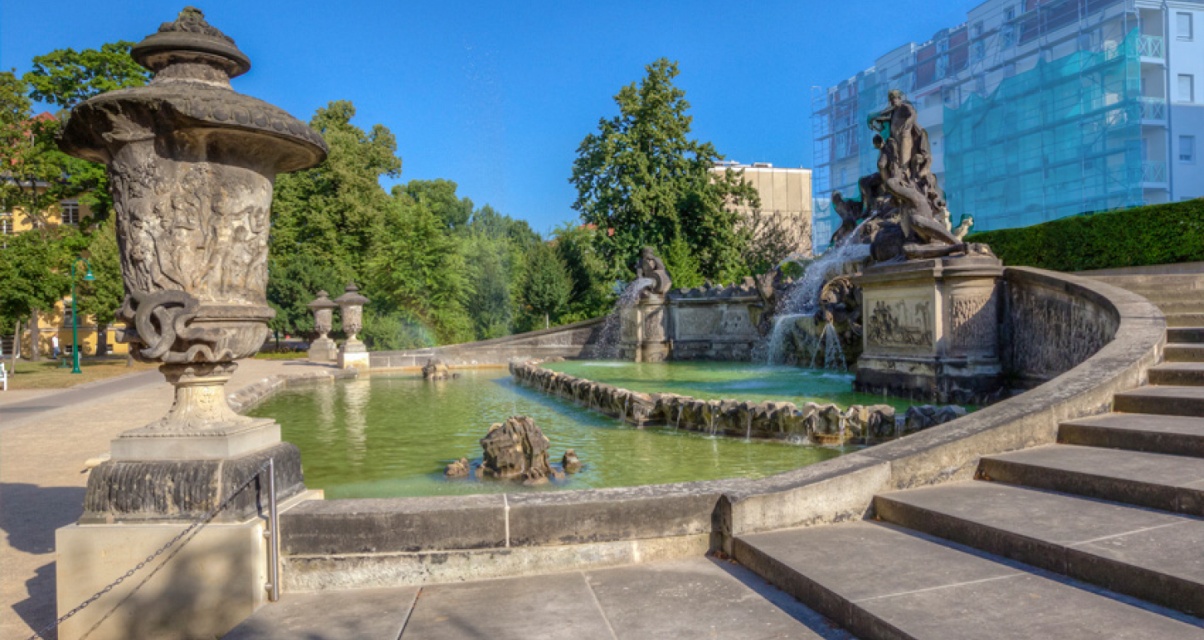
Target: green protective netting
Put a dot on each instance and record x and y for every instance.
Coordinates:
(1060, 139)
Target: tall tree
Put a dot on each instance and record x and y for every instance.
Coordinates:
(644, 181)
(440, 197)
(546, 287)
(592, 286)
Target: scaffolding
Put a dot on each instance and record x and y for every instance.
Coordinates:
(1035, 110)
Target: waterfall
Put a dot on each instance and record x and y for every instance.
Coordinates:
(833, 350)
(610, 336)
(802, 301)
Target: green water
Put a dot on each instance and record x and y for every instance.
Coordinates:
(388, 436)
(729, 380)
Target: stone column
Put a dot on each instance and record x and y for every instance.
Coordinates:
(323, 349)
(931, 329)
(191, 165)
(353, 354)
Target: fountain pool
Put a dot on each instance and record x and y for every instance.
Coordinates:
(709, 380)
(392, 436)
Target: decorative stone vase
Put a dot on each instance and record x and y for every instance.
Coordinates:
(351, 308)
(323, 349)
(191, 165)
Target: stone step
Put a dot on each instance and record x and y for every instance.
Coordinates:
(1156, 480)
(1183, 352)
(1186, 374)
(1185, 334)
(1131, 282)
(1147, 554)
(1163, 400)
(1176, 435)
(879, 581)
(1185, 320)
(1181, 307)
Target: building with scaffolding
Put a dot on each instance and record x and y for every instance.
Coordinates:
(1036, 110)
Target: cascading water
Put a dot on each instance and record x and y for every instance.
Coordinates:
(801, 302)
(609, 337)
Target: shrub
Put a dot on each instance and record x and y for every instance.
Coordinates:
(1155, 234)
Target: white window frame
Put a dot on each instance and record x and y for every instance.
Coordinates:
(1190, 94)
(1185, 35)
(69, 212)
(1188, 142)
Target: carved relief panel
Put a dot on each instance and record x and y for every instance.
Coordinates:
(900, 322)
(974, 321)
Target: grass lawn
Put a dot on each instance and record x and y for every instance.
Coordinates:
(47, 374)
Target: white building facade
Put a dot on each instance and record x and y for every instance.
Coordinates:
(1036, 110)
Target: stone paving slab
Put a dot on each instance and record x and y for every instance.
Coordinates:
(338, 615)
(882, 582)
(695, 598)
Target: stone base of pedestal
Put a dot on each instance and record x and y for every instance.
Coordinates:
(323, 350)
(931, 329)
(221, 443)
(957, 381)
(645, 352)
(131, 491)
(212, 583)
(354, 360)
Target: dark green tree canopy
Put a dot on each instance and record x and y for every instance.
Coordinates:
(66, 77)
(642, 176)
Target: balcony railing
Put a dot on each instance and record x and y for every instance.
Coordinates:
(1151, 47)
(1153, 172)
(1153, 108)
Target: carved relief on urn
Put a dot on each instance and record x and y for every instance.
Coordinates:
(191, 167)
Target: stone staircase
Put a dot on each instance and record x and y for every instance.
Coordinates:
(1098, 536)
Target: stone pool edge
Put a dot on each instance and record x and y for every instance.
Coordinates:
(361, 543)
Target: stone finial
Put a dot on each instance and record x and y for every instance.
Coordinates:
(322, 302)
(190, 39)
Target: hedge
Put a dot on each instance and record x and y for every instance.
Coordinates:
(1155, 234)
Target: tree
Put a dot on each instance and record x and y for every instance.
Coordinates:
(102, 297)
(645, 181)
(440, 197)
(592, 287)
(417, 270)
(327, 219)
(66, 77)
(546, 286)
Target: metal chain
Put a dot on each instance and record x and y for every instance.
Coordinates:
(170, 543)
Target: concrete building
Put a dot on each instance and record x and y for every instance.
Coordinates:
(1036, 109)
(786, 202)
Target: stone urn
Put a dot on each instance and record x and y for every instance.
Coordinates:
(191, 165)
(354, 354)
(323, 349)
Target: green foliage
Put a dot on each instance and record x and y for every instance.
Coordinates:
(546, 287)
(683, 267)
(294, 282)
(394, 331)
(103, 296)
(491, 263)
(35, 271)
(642, 176)
(440, 197)
(592, 288)
(66, 77)
(1157, 234)
(417, 267)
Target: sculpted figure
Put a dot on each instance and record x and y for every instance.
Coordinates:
(653, 268)
(899, 122)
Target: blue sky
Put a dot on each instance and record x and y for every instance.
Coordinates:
(497, 95)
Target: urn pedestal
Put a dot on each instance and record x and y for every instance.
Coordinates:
(931, 329)
(191, 167)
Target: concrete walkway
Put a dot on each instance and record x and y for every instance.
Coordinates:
(44, 441)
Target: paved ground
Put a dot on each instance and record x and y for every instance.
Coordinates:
(44, 440)
(698, 599)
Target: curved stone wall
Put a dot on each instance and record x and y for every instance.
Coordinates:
(821, 423)
(363, 543)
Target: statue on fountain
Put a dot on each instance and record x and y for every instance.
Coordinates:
(905, 209)
(653, 268)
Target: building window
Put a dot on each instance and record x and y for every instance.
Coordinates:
(977, 29)
(1183, 26)
(1187, 148)
(1187, 87)
(70, 211)
(979, 51)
